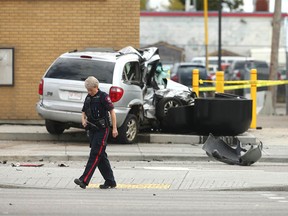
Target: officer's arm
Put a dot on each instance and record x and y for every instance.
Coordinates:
(114, 125)
(84, 119)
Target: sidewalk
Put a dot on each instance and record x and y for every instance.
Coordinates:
(24, 143)
(155, 176)
(163, 161)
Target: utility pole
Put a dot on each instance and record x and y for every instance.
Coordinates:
(286, 50)
(206, 33)
(219, 33)
(274, 50)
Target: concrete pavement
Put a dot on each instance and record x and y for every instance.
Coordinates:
(33, 142)
(151, 175)
(170, 162)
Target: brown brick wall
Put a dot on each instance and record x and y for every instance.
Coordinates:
(41, 30)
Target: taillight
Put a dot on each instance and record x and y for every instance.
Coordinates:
(175, 78)
(279, 76)
(238, 74)
(40, 89)
(115, 93)
(210, 76)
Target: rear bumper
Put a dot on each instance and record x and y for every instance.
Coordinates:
(75, 117)
(56, 115)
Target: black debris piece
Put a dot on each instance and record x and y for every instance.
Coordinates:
(62, 165)
(221, 151)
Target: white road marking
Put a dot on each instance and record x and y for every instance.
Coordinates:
(168, 168)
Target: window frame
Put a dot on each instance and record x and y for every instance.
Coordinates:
(10, 65)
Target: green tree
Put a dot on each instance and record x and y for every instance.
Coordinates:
(212, 4)
(177, 5)
(234, 4)
(142, 4)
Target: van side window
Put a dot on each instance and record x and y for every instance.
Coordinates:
(131, 72)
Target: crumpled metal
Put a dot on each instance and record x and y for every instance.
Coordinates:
(218, 149)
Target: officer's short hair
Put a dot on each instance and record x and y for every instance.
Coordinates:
(91, 82)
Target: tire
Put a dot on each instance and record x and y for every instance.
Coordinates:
(54, 127)
(165, 104)
(128, 132)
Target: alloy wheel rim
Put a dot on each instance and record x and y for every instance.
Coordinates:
(131, 130)
(169, 105)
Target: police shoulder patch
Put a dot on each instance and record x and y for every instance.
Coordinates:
(107, 98)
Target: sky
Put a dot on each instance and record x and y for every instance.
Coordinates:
(248, 5)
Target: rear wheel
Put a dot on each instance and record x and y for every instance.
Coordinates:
(54, 127)
(129, 130)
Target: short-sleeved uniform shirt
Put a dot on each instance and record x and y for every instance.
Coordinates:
(97, 106)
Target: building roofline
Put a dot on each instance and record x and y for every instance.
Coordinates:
(210, 13)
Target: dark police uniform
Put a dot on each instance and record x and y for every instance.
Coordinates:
(96, 109)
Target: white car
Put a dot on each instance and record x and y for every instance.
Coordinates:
(129, 76)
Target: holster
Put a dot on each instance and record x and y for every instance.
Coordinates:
(97, 124)
(101, 123)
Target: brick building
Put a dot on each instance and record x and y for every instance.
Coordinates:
(41, 30)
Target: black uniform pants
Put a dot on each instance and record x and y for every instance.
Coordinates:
(98, 157)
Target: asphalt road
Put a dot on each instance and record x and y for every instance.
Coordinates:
(143, 202)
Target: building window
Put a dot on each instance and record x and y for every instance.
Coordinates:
(6, 66)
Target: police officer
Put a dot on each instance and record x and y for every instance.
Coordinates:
(95, 118)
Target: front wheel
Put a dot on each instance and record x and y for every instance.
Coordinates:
(54, 127)
(128, 132)
(165, 104)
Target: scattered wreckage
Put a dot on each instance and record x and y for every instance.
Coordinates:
(142, 94)
(223, 115)
(241, 154)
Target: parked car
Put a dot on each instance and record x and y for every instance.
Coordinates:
(182, 73)
(214, 59)
(282, 74)
(281, 89)
(128, 76)
(240, 70)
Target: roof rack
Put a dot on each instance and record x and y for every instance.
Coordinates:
(99, 49)
(73, 51)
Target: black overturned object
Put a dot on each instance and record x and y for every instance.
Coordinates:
(226, 114)
(223, 115)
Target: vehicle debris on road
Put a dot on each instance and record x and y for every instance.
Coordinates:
(218, 149)
(26, 165)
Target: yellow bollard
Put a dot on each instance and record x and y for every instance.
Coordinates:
(220, 81)
(253, 79)
(195, 82)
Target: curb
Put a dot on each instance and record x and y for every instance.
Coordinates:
(49, 158)
(142, 137)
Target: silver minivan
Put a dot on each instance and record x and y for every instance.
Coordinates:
(127, 75)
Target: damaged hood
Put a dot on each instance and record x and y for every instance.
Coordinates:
(147, 55)
(174, 89)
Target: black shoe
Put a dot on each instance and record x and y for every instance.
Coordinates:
(108, 185)
(80, 183)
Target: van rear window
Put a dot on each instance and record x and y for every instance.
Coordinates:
(80, 69)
